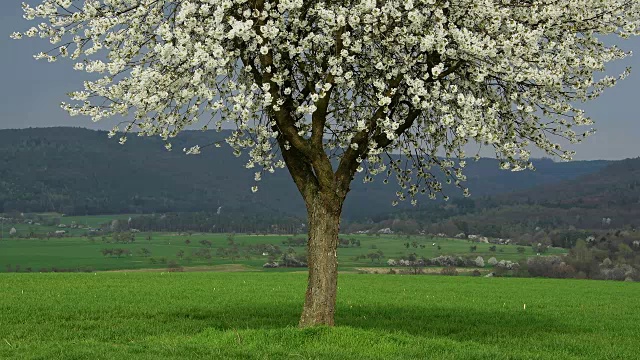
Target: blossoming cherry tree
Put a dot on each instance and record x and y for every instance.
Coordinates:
(328, 89)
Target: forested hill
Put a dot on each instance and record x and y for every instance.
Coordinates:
(616, 185)
(80, 171)
(608, 198)
(611, 194)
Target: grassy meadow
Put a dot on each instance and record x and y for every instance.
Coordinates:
(74, 251)
(253, 315)
(86, 221)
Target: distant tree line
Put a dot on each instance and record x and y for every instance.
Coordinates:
(81, 172)
(218, 223)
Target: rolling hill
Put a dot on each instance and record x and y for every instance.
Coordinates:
(80, 171)
(606, 199)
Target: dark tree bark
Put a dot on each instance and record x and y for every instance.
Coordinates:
(322, 188)
(324, 191)
(324, 225)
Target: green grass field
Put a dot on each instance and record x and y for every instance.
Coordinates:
(83, 252)
(88, 221)
(253, 315)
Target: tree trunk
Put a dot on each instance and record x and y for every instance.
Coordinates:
(324, 225)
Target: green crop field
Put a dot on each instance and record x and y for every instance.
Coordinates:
(85, 222)
(253, 315)
(81, 252)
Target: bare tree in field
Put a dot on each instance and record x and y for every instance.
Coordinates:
(308, 82)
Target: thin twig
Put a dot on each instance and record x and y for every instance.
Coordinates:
(239, 339)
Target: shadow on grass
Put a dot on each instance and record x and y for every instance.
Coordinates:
(420, 321)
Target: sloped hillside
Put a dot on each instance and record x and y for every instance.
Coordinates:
(80, 171)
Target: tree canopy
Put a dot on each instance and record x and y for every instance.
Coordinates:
(357, 78)
(306, 83)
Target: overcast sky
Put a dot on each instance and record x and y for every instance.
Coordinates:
(31, 91)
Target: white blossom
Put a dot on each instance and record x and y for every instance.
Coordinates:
(417, 77)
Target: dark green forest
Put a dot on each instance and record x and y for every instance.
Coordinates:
(604, 200)
(77, 171)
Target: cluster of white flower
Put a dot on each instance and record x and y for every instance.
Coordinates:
(360, 78)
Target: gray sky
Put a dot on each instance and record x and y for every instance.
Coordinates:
(31, 91)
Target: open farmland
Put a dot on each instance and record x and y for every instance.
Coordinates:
(49, 223)
(254, 316)
(84, 253)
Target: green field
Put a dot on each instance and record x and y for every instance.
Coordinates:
(84, 252)
(88, 221)
(253, 315)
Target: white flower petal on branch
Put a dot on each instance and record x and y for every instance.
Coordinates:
(485, 71)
